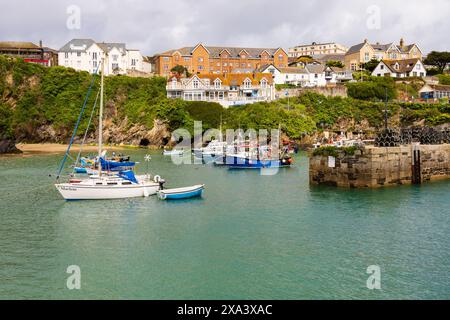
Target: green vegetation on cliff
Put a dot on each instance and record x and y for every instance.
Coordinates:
(32, 97)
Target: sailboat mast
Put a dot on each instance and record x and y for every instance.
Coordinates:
(100, 120)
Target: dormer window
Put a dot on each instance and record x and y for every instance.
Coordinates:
(217, 84)
(195, 84)
(247, 83)
(396, 66)
(264, 83)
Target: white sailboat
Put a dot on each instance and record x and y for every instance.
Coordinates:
(107, 186)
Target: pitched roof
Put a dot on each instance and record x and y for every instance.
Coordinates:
(109, 46)
(435, 87)
(329, 57)
(233, 79)
(77, 45)
(355, 48)
(315, 68)
(18, 45)
(406, 65)
(215, 51)
(293, 70)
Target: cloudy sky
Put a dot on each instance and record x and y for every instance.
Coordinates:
(158, 25)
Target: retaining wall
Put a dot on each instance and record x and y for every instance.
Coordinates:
(376, 167)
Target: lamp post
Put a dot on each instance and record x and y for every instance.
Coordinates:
(386, 111)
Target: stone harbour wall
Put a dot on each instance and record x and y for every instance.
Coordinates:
(374, 167)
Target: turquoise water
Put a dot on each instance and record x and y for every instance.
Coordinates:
(249, 237)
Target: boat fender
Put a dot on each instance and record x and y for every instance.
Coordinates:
(156, 178)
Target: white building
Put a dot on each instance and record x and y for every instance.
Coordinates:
(86, 55)
(311, 75)
(400, 68)
(228, 89)
(317, 49)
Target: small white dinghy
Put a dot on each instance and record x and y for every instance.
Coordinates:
(181, 193)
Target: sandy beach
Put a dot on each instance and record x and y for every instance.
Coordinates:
(59, 148)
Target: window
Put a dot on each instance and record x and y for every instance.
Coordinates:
(94, 64)
(382, 67)
(66, 55)
(177, 58)
(200, 67)
(187, 59)
(115, 66)
(221, 95)
(366, 56)
(165, 58)
(133, 62)
(174, 83)
(94, 55)
(78, 54)
(195, 84)
(247, 84)
(115, 57)
(166, 67)
(217, 84)
(280, 57)
(200, 59)
(263, 83)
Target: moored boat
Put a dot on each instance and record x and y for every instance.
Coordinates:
(175, 152)
(110, 179)
(181, 193)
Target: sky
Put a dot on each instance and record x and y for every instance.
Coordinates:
(155, 26)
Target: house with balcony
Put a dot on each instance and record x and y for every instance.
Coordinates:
(400, 68)
(311, 75)
(86, 55)
(228, 89)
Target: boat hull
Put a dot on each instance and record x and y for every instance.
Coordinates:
(245, 163)
(183, 193)
(71, 191)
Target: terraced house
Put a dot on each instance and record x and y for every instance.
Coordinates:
(227, 89)
(364, 52)
(203, 59)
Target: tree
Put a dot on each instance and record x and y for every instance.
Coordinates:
(438, 59)
(334, 63)
(180, 71)
(371, 65)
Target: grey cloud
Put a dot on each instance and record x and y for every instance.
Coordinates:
(158, 25)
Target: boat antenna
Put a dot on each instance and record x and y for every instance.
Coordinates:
(100, 120)
(61, 167)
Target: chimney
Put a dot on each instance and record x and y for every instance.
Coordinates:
(402, 43)
(365, 40)
(40, 43)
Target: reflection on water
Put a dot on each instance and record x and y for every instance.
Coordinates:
(250, 236)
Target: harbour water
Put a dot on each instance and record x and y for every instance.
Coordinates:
(249, 237)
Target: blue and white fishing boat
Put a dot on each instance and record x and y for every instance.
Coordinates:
(239, 162)
(181, 193)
